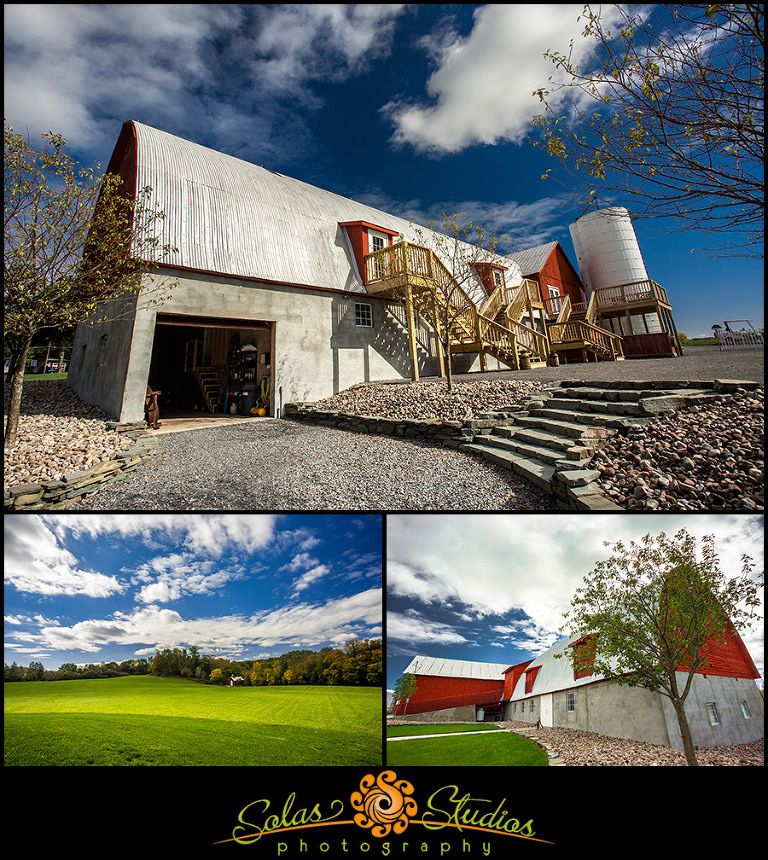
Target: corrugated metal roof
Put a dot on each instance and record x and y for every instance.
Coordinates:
(225, 215)
(531, 260)
(446, 668)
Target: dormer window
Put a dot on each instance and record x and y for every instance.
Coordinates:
(498, 277)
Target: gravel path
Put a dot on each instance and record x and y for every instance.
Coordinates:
(588, 749)
(700, 459)
(283, 465)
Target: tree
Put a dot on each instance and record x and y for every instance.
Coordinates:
(656, 614)
(405, 687)
(76, 246)
(668, 115)
(463, 247)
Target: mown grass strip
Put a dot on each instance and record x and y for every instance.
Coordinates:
(486, 749)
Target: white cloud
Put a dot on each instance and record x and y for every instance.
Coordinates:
(74, 68)
(415, 628)
(481, 90)
(308, 624)
(498, 563)
(36, 562)
(310, 576)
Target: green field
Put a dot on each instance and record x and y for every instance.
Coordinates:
(480, 749)
(143, 720)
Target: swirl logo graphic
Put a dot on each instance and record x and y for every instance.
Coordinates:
(383, 803)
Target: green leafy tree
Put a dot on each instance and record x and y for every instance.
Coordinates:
(656, 613)
(668, 117)
(76, 247)
(216, 677)
(405, 687)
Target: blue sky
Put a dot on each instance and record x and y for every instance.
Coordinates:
(91, 589)
(493, 588)
(418, 109)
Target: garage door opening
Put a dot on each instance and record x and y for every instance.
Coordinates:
(208, 366)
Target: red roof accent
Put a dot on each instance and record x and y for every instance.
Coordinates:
(530, 678)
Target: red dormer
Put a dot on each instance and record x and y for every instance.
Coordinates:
(512, 676)
(365, 238)
(491, 276)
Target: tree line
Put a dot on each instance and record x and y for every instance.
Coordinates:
(359, 663)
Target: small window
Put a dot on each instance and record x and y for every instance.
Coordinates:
(377, 242)
(570, 701)
(712, 713)
(498, 278)
(531, 705)
(363, 315)
(745, 711)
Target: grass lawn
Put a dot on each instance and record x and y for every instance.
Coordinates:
(143, 720)
(488, 748)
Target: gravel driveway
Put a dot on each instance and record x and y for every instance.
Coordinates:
(283, 465)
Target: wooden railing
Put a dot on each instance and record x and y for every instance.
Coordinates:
(437, 295)
(578, 332)
(638, 292)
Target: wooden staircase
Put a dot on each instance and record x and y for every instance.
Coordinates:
(576, 328)
(208, 381)
(415, 275)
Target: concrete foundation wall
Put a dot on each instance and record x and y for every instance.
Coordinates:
(463, 714)
(727, 694)
(641, 715)
(319, 350)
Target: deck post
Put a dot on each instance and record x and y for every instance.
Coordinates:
(411, 333)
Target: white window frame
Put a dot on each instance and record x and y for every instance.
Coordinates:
(745, 711)
(363, 315)
(498, 277)
(570, 702)
(374, 238)
(714, 719)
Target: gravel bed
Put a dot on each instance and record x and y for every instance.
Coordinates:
(703, 458)
(430, 399)
(283, 465)
(578, 748)
(58, 433)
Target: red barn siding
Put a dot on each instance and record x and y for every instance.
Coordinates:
(512, 676)
(729, 659)
(433, 693)
(558, 272)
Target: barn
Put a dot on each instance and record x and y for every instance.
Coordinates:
(724, 706)
(285, 292)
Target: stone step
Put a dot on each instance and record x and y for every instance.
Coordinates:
(529, 449)
(572, 429)
(535, 436)
(604, 407)
(586, 418)
(532, 470)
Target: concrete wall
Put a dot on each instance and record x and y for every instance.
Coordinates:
(639, 714)
(319, 350)
(100, 357)
(463, 714)
(727, 694)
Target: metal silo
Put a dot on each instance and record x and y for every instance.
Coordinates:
(606, 249)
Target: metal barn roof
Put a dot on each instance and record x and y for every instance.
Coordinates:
(227, 216)
(456, 668)
(532, 260)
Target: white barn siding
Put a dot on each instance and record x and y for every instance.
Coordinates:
(252, 244)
